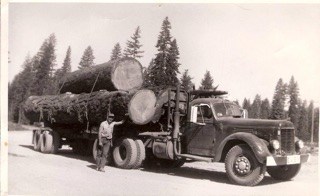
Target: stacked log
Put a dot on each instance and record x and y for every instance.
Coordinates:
(122, 74)
(77, 108)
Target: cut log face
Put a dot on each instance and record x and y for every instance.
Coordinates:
(127, 75)
(121, 74)
(142, 107)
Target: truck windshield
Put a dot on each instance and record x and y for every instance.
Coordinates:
(227, 110)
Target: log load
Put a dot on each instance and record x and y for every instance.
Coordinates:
(122, 74)
(76, 108)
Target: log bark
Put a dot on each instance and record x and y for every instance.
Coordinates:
(122, 74)
(77, 108)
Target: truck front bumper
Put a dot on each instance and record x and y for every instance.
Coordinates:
(287, 160)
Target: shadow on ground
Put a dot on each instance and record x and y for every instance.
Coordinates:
(67, 153)
(203, 174)
(184, 171)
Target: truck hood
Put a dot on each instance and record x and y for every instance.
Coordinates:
(246, 123)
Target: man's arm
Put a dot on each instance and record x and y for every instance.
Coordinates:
(118, 123)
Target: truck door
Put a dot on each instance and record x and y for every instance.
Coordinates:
(200, 132)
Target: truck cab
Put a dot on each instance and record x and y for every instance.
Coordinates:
(216, 129)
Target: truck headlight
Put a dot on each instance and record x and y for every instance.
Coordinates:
(275, 144)
(299, 144)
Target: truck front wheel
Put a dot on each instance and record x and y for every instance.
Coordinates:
(284, 172)
(242, 166)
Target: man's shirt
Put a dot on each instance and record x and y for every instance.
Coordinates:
(106, 129)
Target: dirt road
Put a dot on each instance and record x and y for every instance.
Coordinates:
(31, 172)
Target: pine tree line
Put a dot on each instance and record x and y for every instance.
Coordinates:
(286, 104)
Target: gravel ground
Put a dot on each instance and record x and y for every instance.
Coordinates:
(31, 172)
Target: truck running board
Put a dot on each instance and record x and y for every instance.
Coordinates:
(197, 158)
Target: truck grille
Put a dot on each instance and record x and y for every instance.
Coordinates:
(287, 140)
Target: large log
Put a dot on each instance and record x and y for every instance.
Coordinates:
(142, 107)
(76, 108)
(122, 74)
(150, 107)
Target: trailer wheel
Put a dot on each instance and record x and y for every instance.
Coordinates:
(242, 166)
(47, 142)
(284, 172)
(141, 154)
(55, 142)
(125, 153)
(37, 140)
(95, 150)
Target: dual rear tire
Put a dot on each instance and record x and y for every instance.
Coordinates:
(46, 141)
(126, 153)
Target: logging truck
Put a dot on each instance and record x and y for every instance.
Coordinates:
(196, 125)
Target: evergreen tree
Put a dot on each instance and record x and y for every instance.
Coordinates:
(256, 107)
(247, 105)
(310, 110)
(185, 81)
(66, 66)
(133, 46)
(44, 64)
(116, 52)
(315, 130)
(316, 126)
(278, 102)
(207, 82)
(302, 129)
(172, 68)
(147, 75)
(19, 90)
(293, 92)
(265, 109)
(87, 58)
(158, 73)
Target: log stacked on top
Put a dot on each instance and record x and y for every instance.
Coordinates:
(122, 74)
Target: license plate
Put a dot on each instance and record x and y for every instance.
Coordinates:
(293, 159)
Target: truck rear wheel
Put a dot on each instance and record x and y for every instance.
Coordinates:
(55, 142)
(125, 153)
(47, 142)
(141, 154)
(284, 172)
(242, 166)
(37, 140)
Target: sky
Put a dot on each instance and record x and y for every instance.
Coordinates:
(246, 47)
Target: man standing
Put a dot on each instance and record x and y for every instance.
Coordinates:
(105, 141)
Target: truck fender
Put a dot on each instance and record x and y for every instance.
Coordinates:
(258, 146)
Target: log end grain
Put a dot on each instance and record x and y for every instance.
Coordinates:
(142, 107)
(127, 74)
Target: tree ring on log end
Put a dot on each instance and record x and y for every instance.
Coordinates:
(142, 107)
(127, 75)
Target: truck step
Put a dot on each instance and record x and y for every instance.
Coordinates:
(197, 158)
